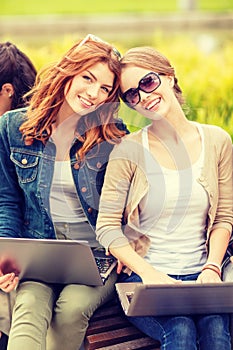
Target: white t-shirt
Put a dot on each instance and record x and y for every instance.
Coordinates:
(173, 215)
(64, 202)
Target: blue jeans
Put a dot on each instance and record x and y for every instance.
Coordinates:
(204, 332)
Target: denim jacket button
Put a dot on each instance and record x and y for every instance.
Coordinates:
(89, 210)
(24, 161)
(98, 165)
(84, 189)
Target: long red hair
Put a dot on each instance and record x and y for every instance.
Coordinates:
(47, 96)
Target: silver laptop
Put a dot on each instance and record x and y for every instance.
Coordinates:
(139, 299)
(55, 261)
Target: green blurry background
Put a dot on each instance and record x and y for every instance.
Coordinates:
(197, 37)
(25, 7)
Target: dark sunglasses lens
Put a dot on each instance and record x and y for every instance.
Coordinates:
(132, 97)
(149, 83)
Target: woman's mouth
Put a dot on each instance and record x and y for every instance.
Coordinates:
(153, 105)
(86, 103)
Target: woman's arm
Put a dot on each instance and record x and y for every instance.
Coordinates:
(218, 243)
(130, 258)
(222, 226)
(115, 197)
(11, 196)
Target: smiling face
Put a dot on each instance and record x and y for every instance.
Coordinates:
(89, 89)
(155, 104)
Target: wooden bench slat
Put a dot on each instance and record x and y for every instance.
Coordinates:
(112, 337)
(107, 310)
(142, 344)
(107, 325)
(109, 329)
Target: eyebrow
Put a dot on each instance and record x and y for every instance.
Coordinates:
(94, 77)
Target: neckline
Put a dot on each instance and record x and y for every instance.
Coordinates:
(197, 163)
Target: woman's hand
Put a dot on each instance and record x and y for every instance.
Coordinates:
(153, 276)
(8, 282)
(119, 266)
(208, 276)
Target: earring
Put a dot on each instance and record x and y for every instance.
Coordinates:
(10, 95)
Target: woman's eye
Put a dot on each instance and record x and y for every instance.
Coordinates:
(105, 89)
(86, 77)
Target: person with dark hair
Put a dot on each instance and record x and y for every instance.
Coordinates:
(53, 157)
(174, 191)
(17, 77)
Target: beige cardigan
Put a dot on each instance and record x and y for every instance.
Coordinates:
(126, 184)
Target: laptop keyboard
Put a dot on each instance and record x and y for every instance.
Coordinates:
(104, 264)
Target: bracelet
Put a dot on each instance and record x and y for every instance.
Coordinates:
(213, 264)
(212, 268)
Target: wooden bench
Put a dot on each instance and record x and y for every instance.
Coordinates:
(109, 329)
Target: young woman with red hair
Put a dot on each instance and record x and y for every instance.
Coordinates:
(53, 157)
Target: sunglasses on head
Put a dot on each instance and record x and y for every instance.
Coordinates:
(148, 83)
(91, 37)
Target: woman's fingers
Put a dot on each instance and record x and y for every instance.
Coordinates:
(8, 282)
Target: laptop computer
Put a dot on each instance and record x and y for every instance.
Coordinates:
(138, 299)
(55, 261)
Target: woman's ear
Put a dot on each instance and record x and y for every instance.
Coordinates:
(171, 80)
(7, 90)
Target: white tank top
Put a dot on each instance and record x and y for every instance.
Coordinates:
(64, 202)
(173, 215)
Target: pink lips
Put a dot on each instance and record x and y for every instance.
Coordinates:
(86, 103)
(153, 105)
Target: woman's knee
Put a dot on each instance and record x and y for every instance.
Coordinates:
(181, 328)
(74, 312)
(181, 325)
(214, 324)
(33, 298)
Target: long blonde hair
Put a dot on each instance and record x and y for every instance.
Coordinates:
(47, 97)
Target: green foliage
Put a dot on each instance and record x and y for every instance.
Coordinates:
(203, 67)
(28, 7)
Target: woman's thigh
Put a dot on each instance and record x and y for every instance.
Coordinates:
(77, 299)
(31, 317)
(73, 309)
(34, 298)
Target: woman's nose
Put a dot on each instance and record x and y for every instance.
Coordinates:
(93, 91)
(143, 95)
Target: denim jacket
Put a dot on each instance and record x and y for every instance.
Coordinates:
(26, 173)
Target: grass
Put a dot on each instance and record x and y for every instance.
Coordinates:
(42, 7)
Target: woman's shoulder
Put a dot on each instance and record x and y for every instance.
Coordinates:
(13, 118)
(214, 132)
(135, 136)
(10, 123)
(130, 145)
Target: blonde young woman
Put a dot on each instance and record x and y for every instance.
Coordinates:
(53, 157)
(167, 215)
